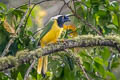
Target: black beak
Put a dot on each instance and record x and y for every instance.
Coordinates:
(67, 20)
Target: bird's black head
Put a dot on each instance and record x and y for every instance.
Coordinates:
(62, 19)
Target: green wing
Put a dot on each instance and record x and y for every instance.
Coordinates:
(45, 31)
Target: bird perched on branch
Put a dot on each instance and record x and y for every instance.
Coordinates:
(50, 35)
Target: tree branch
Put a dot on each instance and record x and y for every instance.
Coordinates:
(6, 50)
(81, 41)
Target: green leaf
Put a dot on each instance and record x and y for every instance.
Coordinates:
(114, 6)
(110, 76)
(10, 10)
(111, 26)
(105, 53)
(70, 62)
(98, 2)
(19, 72)
(88, 66)
(55, 67)
(114, 19)
(3, 76)
(77, 4)
(3, 6)
(58, 72)
(115, 64)
(98, 65)
(95, 2)
(82, 11)
(99, 68)
(87, 3)
(103, 17)
(29, 22)
(68, 74)
(98, 60)
(28, 32)
(18, 13)
(24, 7)
(19, 76)
(84, 55)
(39, 77)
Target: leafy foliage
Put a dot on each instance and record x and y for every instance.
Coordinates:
(103, 14)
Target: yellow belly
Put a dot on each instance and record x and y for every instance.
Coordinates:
(52, 35)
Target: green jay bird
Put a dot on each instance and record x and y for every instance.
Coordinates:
(50, 34)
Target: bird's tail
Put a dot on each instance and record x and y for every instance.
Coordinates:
(42, 65)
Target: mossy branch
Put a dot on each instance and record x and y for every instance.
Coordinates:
(81, 41)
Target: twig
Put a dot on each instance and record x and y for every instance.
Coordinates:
(74, 6)
(110, 61)
(27, 4)
(29, 69)
(82, 41)
(22, 20)
(83, 70)
(85, 22)
(61, 9)
(32, 9)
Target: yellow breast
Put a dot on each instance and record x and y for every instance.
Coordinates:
(52, 35)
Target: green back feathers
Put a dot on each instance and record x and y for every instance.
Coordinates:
(45, 31)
